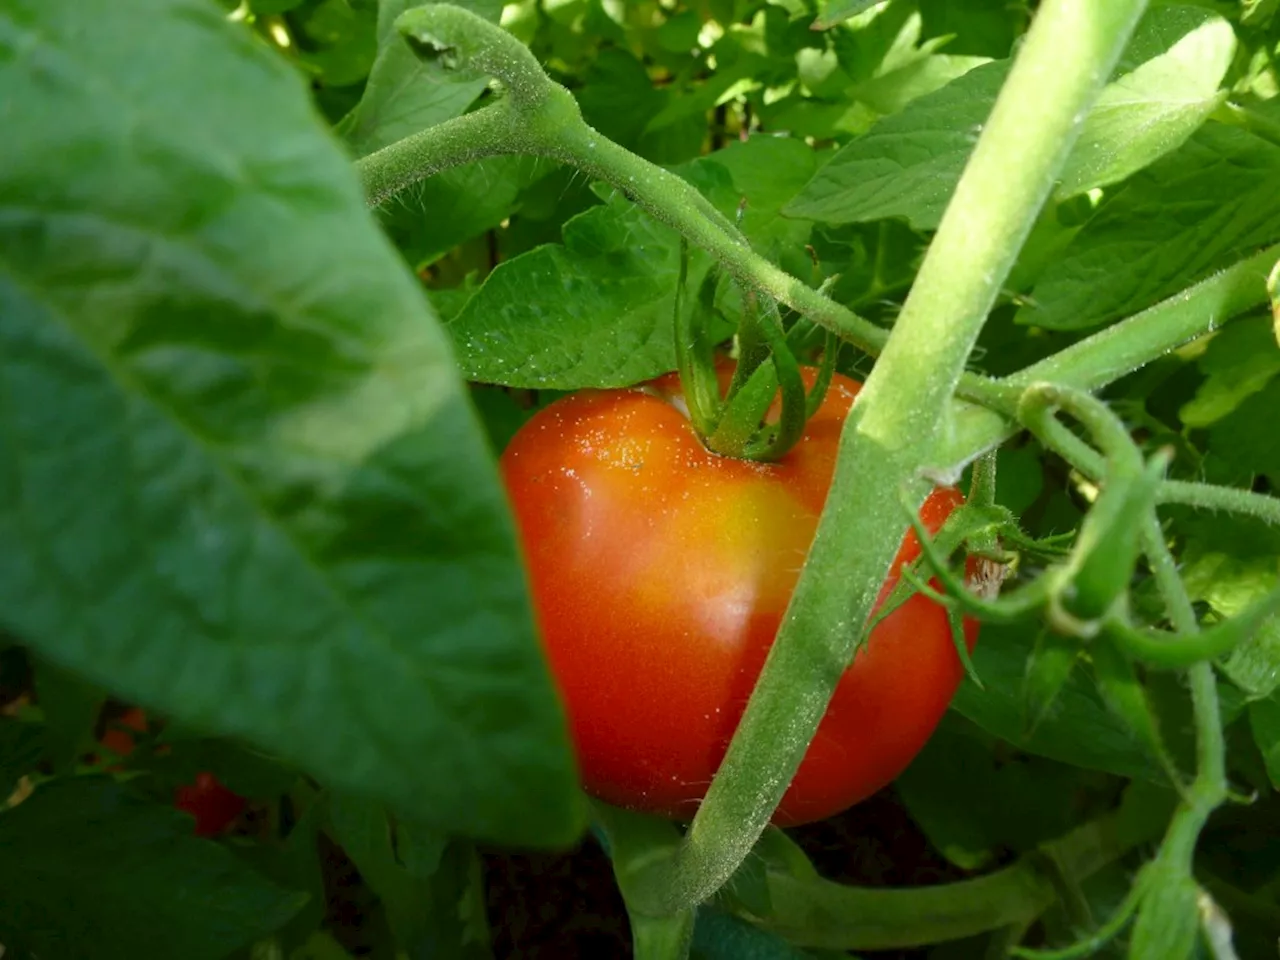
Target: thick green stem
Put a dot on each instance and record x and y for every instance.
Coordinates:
(896, 424)
(489, 132)
(1204, 496)
(1120, 349)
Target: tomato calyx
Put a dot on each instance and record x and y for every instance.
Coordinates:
(762, 411)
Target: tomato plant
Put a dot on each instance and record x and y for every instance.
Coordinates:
(557, 458)
(660, 574)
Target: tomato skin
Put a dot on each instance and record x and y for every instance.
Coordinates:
(660, 572)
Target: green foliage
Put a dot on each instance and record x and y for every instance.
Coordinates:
(247, 481)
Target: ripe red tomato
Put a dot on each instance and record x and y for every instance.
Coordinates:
(660, 573)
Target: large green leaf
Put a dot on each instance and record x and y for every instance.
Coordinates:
(596, 311)
(240, 482)
(90, 870)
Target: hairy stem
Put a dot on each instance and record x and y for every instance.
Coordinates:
(489, 132)
(543, 120)
(1204, 496)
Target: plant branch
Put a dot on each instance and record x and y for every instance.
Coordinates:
(1201, 496)
(490, 132)
(1204, 496)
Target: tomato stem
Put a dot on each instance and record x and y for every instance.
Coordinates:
(826, 369)
(791, 420)
(1112, 353)
(545, 121)
(695, 358)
